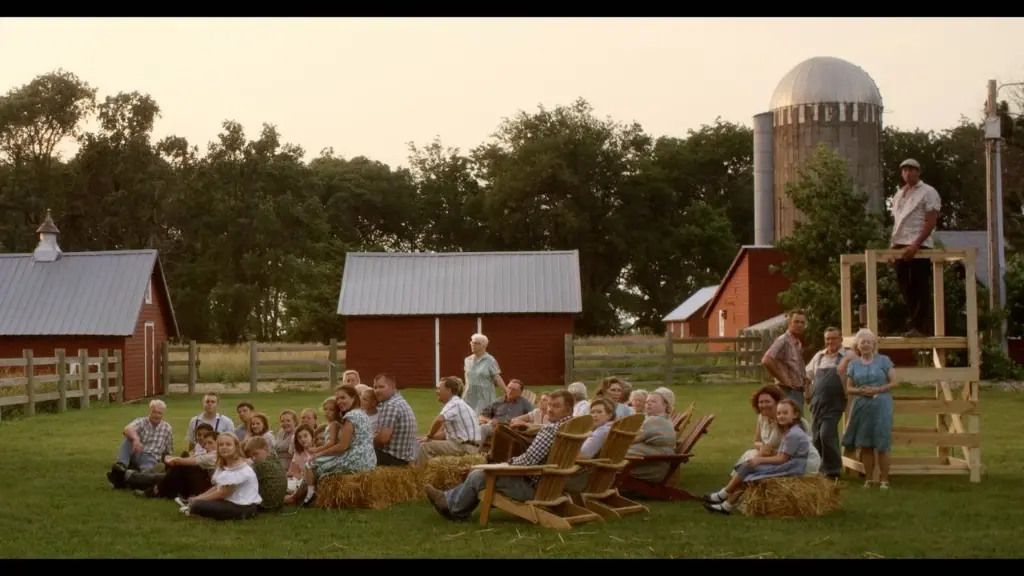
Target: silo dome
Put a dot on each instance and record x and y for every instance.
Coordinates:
(825, 79)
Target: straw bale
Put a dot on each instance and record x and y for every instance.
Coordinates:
(377, 489)
(788, 497)
(446, 472)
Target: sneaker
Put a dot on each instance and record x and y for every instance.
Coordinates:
(868, 484)
(712, 498)
(716, 509)
(180, 502)
(883, 486)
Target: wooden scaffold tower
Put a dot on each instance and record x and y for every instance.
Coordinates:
(957, 420)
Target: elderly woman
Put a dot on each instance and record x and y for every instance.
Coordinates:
(602, 410)
(870, 377)
(612, 388)
(482, 374)
(638, 401)
(657, 436)
(579, 395)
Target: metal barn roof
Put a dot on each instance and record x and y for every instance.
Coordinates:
(81, 294)
(825, 79)
(434, 284)
(691, 305)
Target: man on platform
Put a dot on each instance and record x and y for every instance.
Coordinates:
(915, 212)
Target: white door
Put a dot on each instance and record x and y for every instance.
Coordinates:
(149, 364)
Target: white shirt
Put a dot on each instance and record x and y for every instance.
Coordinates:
(823, 360)
(242, 477)
(460, 422)
(219, 422)
(909, 207)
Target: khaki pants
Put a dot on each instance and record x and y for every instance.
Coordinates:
(433, 448)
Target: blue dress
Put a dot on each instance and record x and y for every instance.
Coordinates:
(796, 443)
(870, 423)
(359, 457)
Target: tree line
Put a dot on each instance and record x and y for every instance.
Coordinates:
(253, 237)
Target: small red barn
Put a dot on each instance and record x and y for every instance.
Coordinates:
(115, 300)
(412, 314)
(749, 293)
(687, 321)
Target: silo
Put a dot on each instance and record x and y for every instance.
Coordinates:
(764, 180)
(827, 101)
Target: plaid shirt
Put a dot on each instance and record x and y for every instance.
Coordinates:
(156, 440)
(460, 422)
(537, 453)
(396, 414)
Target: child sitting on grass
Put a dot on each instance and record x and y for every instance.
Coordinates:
(790, 460)
(269, 474)
(201, 431)
(259, 427)
(301, 447)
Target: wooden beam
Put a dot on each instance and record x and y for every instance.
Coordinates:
(937, 439)
(924, 375)
(885, 256)
(924, 342)
(933, 406)
(846, 297)
(871, 271)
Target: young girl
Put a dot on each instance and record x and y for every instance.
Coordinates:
(790, 460)
(320, 436)
(349, 445)
(236, 492)
(285, 437)
(308, 418)
(302, 445)
(259, 425)
(368, 403)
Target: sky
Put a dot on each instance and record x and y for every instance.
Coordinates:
(370, 86)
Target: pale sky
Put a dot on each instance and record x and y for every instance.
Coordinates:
(369, 86)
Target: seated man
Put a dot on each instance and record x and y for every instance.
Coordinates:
(185, 477)
(459, 502)
(394, 440)
(146, 441)
(512, 405)
(273, 482)
(455, 431)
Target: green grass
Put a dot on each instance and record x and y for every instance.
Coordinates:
(55, 502)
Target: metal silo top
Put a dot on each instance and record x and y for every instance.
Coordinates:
(825, 79)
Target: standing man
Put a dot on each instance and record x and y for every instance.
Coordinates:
(455, 431)
(915, 213)
(828, 402)
(216, 420)
(146, 441)
(785, 359)
(395, 438)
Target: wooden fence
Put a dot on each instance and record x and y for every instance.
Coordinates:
(72, 376)
(651, 361)
(262, 366)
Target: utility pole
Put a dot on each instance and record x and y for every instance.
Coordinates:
(994, 195)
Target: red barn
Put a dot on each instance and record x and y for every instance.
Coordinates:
(412, 314)
(687, 321)
(748, 294)
(115, 300)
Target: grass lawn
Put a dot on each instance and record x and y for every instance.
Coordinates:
(55, 502)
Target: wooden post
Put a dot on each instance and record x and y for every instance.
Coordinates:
(30, 383)
(193, 361)
(165, 366)
(871, 271)
(105, 376)
(83, 374)
(119, 374)
(766, 343)
(669, 350)
(62, 381)
(254, 359)
(846, 297)
(971, 389)
(332, 366)
(568, 352)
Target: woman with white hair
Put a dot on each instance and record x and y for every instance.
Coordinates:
(482, 374)
(638, 401)
(579, 394)
(657, 436)
(870, 377)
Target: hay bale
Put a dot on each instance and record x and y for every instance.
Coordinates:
(377, 489)
(791, 497)
(446, 472)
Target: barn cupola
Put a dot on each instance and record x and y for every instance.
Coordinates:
(47, 250)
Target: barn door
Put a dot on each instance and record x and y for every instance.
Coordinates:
(149, 362)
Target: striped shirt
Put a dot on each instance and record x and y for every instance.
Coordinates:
(156, 439)
(537, 453)
(460, 422)
(396, 415)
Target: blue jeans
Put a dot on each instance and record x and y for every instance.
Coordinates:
(796, 396)
(464, 498)
(141, 461)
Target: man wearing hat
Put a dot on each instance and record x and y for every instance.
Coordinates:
(915, 211)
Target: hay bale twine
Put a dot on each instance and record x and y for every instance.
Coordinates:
(377, 489)
(447, 472)
(791, 496)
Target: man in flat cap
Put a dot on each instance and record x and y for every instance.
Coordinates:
(915, 211)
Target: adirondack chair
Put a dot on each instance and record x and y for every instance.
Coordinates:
(550, 506)
(600, 494)
(530, 396)
(680, 420)
(661, 490)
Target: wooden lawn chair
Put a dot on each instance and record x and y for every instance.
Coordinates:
(531, 396)
(661, 490)
(680, 420)
(550, 506)
(600, 495)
